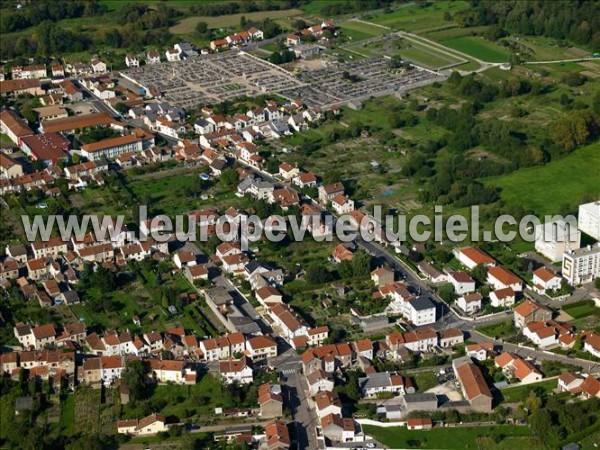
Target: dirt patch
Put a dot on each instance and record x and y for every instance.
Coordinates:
(563, 317)
(577, 52)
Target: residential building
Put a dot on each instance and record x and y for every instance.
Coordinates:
(152, 57)
(582, 265)
(588, 219)
(530, 311)
(545, 280)
(473, 384)
(462, 282)
(112, 147)
(236, 370)
(552, 239)
(261, 347)
(49, 148)
(470, 303)
(327, 403)
(131, 60)
(471, 257)
(13, 126)
(516, 367)
(377, 383)
(501, 278)
(503, 298)
(270, 401)
(148, 426)
(9, 168)
(480, 352)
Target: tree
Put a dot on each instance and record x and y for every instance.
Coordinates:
(446, 292)
(361, 264)
(229, 177)
(317, 274)
(202, 28)
(479, 272)
(134, 376)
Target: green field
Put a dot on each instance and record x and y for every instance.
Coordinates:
(359, 31)
(420, 19)
(544, 189)
(479, 48)
(188, 25)
(452, 438)
(581, 309)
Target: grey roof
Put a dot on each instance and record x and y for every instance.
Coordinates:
(219, 295)
(422, 303)
(24, 403)
(375, 380)
(419, 398)
(256, 265)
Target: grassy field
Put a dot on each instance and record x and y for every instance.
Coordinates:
(425, 381)
(519, 393)
(451, 438)
(188, 25)
(360, 30)
(420, 19)
(581, 309)
(479, 48)
(544, 189)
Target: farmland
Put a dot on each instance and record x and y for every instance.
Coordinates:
(479, 48)
(188, 24)
(415, 19)
(361, 30)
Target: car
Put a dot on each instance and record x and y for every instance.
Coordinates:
(370, 445)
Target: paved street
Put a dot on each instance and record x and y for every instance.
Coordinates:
(297, 398)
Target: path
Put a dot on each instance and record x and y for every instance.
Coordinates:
(556, 61)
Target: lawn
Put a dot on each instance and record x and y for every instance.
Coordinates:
(188, 25)
(581, 309)
(360, 30)
(450, 438)
(424, 381)
(499, 330)
(519, 393)
(544, 189)
(479, 48)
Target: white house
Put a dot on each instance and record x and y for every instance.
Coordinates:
(342, 204)
(500, 278)
(545, 280)
(131, 60)
(471, 257)
(233, 370)
(470, 303)
(462, 282)
(552, 239)
(502, 298)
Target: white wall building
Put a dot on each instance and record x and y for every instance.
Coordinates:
(589, 219)
(581, 265)
(552, 239)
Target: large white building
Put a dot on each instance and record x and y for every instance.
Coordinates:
(581, 265)
(113, 147)
(589, 219)
(552, 239)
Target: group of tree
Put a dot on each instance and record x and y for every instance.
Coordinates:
(282, 57)
(237, 7)
(575, 20)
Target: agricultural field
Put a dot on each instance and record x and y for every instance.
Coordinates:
(545, 189)
(454, 438)
(188, 25)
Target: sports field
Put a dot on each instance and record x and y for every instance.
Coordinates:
(479, 48)
(359, 31)
(546, 188)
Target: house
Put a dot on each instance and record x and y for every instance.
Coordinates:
(167, 371)
(470, 303)
(270, 401)
(261, 347)
(184, 258)
(375, 384)
(420, 402)
(471, 257)
(501, 278)
(338, 429)
(552, 239)
(530, 311)
(292, 39)
(131, 60)
(450, 337)
(236, 370)
(342, 253)
(432, 273)
(196, 272)
(342, 204)
(590, 387)
(480, 352)
(591, 344)
(514, 366)
(421, 423)
(319, 380)
(18, 87)
(474, 387)
(148, 426)
(462, 282)
(382, 276)
(329, 192)
(305, 180)
(277, 436)
(98, 66)
(290, 323)
(306, 51)
(152, 57)
(545, 280)
(327, 403)
(570, 382)
(316, 336)
(267, 295)
(287, 171)
(503, 298)
(9, 168)
(172, 55)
